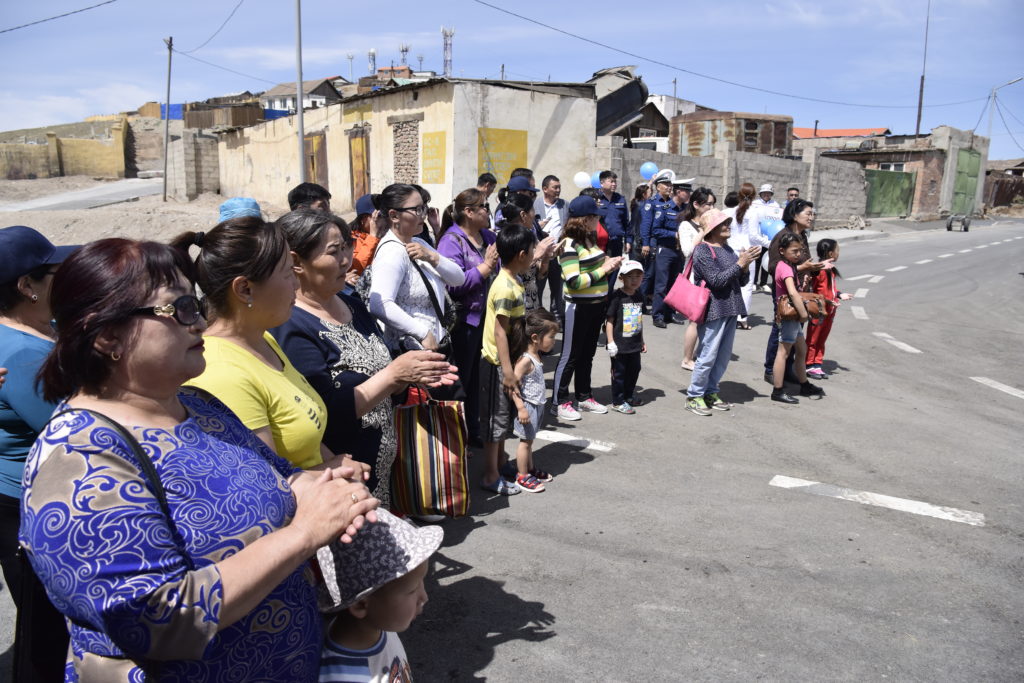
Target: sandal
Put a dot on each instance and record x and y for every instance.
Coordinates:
(529, 483)
(541, 475)
(501, 487)
(743, 325)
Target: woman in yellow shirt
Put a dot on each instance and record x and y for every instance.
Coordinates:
(244, 268)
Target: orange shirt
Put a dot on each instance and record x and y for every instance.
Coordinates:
(362, 251)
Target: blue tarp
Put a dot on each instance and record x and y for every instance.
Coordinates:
(177, 112)
(271, 114)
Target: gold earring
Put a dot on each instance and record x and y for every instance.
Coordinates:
(115, 356)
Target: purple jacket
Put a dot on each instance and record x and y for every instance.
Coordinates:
(471, 296)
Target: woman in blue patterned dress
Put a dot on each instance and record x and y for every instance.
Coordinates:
(210, 583)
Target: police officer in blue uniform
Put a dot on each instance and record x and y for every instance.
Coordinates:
(668, 260)
(614, 213)
(660, 200)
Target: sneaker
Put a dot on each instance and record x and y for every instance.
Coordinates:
(678, 319)
(765, 288)
(567, 412)
(697, 406)
(782, 397)
(635, 402)
(660, 322)
(624, 408)
(502, 487)
(529, 483)
(812, 392)
(541, 475)
(769, 377)
(816, 373)
(592, 406)
(715, 402)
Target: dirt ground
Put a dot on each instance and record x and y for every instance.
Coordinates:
(147, 218)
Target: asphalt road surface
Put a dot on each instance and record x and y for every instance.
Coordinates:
(876, 534)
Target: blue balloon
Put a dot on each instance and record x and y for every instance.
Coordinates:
(648, 169)
(595, 180)
(770, 227)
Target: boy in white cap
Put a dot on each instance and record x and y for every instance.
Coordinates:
(374, 586)
(624, 330)
(762, 208)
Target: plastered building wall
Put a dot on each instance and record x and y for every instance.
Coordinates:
(103, 158)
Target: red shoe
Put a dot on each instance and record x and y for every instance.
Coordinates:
(541, 475)
(529, 483)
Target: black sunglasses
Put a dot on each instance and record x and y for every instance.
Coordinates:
(186, 310)
(421, 209)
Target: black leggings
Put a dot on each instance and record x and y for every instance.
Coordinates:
(583, 322)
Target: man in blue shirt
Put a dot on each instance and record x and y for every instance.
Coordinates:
(659, 201)
(668, 260)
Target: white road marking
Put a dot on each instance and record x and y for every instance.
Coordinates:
(879, 500)
(860, 293)
(559, 437)
(1001, 387)
(1007, 240)
(992, 244)
(922, 262)
(946, 255)
(858, 312)
(964, 251)
(854, 279)
(981, 246)
(876, 279)
(893, 270)
(895, 342)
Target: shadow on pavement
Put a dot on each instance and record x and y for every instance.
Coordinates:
(463, 622)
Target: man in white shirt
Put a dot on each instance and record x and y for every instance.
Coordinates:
(552, 214)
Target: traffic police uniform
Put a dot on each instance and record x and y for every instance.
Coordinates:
(615, 217)
(648, 211)
(668, 259)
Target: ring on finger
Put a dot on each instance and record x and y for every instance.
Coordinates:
(355, 498)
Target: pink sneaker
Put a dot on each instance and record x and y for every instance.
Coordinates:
(567, 412)
(592, 406)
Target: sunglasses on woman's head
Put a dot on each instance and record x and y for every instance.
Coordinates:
(186, 310)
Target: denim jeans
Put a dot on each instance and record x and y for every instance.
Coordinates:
(715, 339)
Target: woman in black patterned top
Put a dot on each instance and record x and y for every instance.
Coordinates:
(334, 342)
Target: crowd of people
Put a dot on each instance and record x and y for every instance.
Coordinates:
(185, 427)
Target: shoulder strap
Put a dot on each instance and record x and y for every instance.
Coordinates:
(148, 471)
(430, 290)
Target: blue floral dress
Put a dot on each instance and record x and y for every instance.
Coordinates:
(100, 543)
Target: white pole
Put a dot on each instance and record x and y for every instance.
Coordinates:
(298, 91)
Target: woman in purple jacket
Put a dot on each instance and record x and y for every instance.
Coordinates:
(470, 243)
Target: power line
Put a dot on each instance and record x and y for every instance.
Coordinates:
(981, 115)
(59, 16)
(1014, 117)
(223, 68)
(999, 109)
(196, 49)
(715, 78)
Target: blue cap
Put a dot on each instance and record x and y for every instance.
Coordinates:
(25, 249)
(239, 207)
(583, 206)
(364, 205)
(520, 183)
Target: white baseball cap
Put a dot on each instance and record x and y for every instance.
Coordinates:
(630, 267)
(767, 187)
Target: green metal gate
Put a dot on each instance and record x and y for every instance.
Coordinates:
(890, 193)
(968, 164)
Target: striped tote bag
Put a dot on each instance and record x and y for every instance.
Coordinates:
(429, 476)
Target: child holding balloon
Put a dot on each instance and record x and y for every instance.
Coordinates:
(746, 233)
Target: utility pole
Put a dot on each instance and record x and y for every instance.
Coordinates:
(298, 91)
(502, 72)
(992, 104)
(350, 56)
(920, 93)
(167, 113)
(675, 100)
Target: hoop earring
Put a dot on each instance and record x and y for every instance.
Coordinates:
(115, 356)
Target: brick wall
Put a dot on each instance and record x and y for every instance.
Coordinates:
(193, 166)
(840, 191)
(407, 151)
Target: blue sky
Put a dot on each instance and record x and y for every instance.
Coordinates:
(112, 58)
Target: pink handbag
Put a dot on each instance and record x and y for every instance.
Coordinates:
(689, 299)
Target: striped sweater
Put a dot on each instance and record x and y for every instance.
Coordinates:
(581, 271)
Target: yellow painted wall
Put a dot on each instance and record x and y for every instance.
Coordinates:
(98, 158)
(21, 162)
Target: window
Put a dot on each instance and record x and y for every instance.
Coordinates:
(891, 166)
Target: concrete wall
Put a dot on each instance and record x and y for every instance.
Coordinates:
(192, 165)
(952, 140)
(836, 187)
(66, 156)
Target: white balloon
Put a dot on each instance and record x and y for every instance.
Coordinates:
(581, 180)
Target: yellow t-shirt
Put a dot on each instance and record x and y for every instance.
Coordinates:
(505, 297)
(261, 396)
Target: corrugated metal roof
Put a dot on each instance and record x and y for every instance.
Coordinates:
(802, 133)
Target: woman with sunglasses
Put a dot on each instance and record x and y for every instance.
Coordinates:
(26, 337)
(244, 267)
(407, 291)
(167, 533)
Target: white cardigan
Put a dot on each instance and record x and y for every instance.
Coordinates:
(398, 297)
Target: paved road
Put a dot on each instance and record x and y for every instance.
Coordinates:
(662, 551)
(108, 193)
